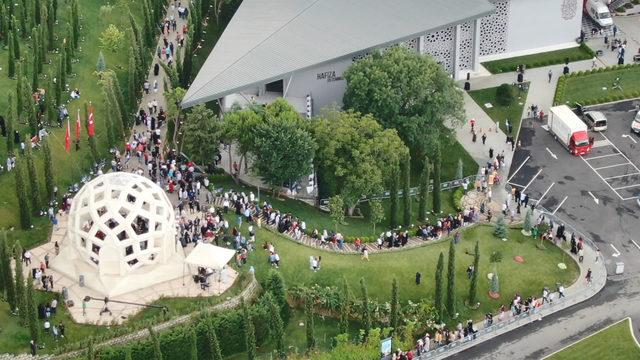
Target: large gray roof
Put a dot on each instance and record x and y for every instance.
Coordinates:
(267, 40)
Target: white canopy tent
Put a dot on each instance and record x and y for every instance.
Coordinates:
(210, 256)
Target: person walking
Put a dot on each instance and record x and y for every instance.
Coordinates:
(365, 254)
(418, 278)
(588, 277)
(550, 76)
(484, 138)
(146, 86)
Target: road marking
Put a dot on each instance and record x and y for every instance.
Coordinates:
(635, 243)
(594, 197)
(545, 193)
(619, 176)
(630, 137)
(630, 198)
(518, 169)
(626, 187)
(536, 175)
(552, 154)
(562, 202)
(621, 153)
(616, 250)
(514, 184)
(601, 156)
(601, 143)
(610, 166)
(601, 178)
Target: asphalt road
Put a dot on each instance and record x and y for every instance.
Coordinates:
(596, 193)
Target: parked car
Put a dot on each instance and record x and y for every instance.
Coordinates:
(635, 124)
(596, 120)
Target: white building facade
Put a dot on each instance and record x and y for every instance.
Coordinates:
(474, 31)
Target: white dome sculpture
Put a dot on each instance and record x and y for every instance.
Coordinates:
(120, 235)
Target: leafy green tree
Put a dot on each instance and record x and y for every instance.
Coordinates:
(156, 352)
(310, 323)
(394, 182)
(354, 154)
(451, 280)
(376, 213)
(424, 190)
(345, 307)
(412, 92)
(395, 306)
(336, 211)
(437, 188)
(21, 192)
(111, 38)
(366, 309)
(239, 127)
(212, 343)
(49, 182)
(500, 228)
(8, 286)
(34, 186)
(11, 62)
(31, 312)
(406, 191)
(21, 292)
(439, 291)
(473, 286)
(284, 148)
(101, 65)
(201, 134)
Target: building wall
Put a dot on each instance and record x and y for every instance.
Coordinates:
(521, 27)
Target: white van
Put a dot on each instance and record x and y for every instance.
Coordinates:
(635, 124)
(599, 12)
(596, 120)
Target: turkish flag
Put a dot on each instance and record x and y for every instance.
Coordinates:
(91, 129)
(78, 126)
(67, 136)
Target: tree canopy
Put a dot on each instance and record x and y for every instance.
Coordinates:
(201, 134)
(357, 152)
(406, 91)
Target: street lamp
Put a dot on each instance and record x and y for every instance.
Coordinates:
(105, 308)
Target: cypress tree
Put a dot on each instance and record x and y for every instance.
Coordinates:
(91, 139)
(345, 306)
(54, 6)
(60, 80)
(114, 114)
(194, 344)
(439, 291)
(110, 130)
(51, 20)
(13, 116)
(275, 285)
(437, 163)
(148, 25)
(91, 352)
(451, 280)
(23, 202)
(19, 98)
(406, 191)
(127, 355)
(23, 19)
(276, 326)
(68, 57)
(366, 309)
(132, 82)
(212, 343)
(135, 30)
(393, 194)
(11, 62)
(156, 352)
(21, 295)
(310, 324)
(473, 286)
(5, 24)
(31, 311)
(101, 66)
(395, 306)
(43, 36)
(117, 92)
(16, 42)
(62, 70)
(36, 201)
(48, 169)
(36, 12)
(36, 61)
(75, 23)
(187, 65)
(249, 336)
(50, 102)
(6, 272)
(424, 190)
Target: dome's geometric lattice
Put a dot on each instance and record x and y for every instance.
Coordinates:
(120, 222)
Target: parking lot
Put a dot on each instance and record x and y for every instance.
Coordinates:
(598, 192)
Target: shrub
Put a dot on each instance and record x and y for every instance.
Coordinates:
(621, 9)
(505, 94)
(457, 198)
(628, 5)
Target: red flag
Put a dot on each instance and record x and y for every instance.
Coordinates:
(78, 126)
(91, 129)
(67, 144)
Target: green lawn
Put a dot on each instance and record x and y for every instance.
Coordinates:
(595, 87)
(498, 112)
(582, 52)
(614, 342)
(539, 269)
(315, 218)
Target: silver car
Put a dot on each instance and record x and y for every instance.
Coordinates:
(635, 124)
(596, 120)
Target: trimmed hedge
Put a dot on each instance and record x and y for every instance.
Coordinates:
(539, 60)
(561, 86)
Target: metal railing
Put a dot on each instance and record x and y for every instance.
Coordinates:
(499, 327)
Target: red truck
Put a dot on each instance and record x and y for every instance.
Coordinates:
(570, 131)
